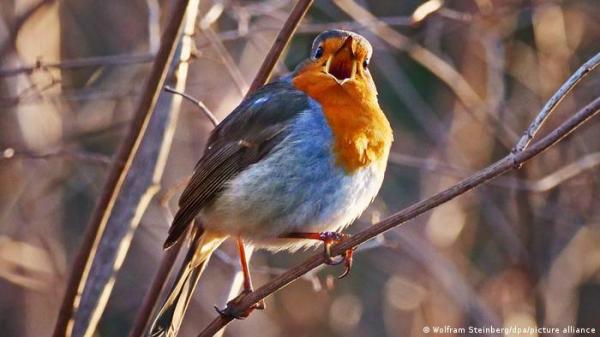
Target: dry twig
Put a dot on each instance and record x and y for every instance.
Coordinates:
(232, 69)
(205, 110)
(97, 158)
(552, 103)
(95, 61)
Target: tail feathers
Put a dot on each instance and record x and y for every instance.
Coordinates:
(171, 314)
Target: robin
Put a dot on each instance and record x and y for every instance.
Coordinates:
(291, 166)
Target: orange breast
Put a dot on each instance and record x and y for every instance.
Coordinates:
(362, 133)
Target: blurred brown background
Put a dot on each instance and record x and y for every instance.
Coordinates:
(523, 250)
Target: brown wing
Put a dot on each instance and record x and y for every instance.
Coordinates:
(243, 138)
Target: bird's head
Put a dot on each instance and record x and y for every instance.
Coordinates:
(342, 55)
(337, 76)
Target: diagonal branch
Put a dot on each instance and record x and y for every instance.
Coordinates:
(500, 167)
(281, 41)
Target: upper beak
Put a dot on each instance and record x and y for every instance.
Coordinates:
(342, 64)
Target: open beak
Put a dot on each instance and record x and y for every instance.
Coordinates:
(342, 64)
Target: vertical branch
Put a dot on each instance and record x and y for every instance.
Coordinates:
(134, 170)
(182, 65)
(281, 41)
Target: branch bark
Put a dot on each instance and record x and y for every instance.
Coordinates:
(129, 188)
(502, 166)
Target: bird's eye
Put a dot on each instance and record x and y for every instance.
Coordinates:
(366, 63)
(318, 53)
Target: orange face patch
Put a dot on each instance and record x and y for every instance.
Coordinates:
(361, 131)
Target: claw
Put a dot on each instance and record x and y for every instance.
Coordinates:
(328, 239)
(329, 259)
(231, 312)
(347, 263)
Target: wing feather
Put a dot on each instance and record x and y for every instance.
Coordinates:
(205, 190)
(243, 138)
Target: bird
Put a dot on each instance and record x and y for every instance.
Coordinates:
(291, 167)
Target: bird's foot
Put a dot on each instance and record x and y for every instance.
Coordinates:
(232, 311)
(330, 238)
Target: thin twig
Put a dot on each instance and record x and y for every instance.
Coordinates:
(504, 165)
(119, 171)
(552, 103)
(97, 158)
(454, 15)
(80, 95)
(198, 103)
(232, 69)
(281, 41)
(95, 61)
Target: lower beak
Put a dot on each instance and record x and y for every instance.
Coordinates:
(342, 64)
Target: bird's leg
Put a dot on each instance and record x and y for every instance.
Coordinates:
(247, 289)
(328, 239)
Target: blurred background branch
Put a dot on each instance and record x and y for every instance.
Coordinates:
(132, 183)
(13, 31)
(99, 61)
